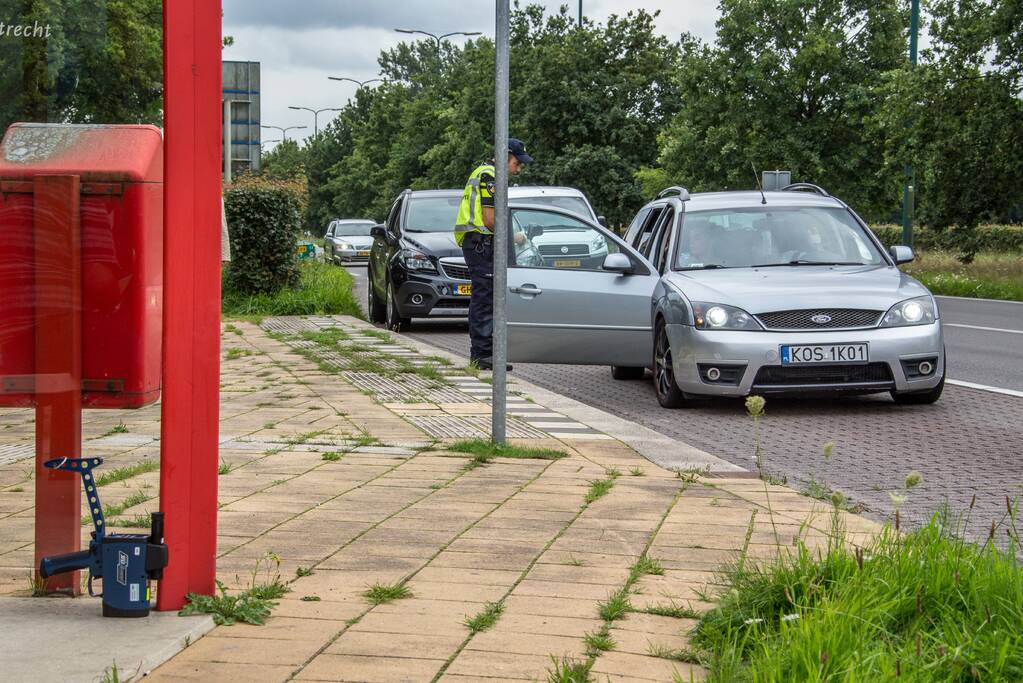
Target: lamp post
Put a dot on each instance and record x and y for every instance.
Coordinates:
(499, 392)
(284, 131)
(437, 38)
(316, 116)
(266, 142)
(580, 13)
(909, 189)
(361, 84)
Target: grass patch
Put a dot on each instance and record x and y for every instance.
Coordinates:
(486, 618)
(310, 598)
(236, 353)
(224, 467)
(672, 609)
(616, 606)
(330, 456)
(127, 472)
(679, 654)
(303, 571)
(637, 472)
(598, 489)
(228, 609)
(232, 329)
(599, 641)
(568, 670)
(136, 522)
(322, 290)
(990, 275)
(379, 594)
(645, 565)
(926, 606)
(16, 489)
(483, 451)
(119, 428)
(131, 501)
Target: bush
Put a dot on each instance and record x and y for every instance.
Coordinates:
(322, 290)
(263, 219)
(998, 238)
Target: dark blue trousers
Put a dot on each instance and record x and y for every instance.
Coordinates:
(479, 257)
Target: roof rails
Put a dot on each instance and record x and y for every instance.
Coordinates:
(683, 193)
(806, 187)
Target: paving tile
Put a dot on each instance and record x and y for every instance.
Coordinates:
(646, 668)
(251, 650)
(477, 663)
(179, 669)
(416, 645)
(390, 669)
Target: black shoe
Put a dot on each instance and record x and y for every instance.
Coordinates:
(488, 364)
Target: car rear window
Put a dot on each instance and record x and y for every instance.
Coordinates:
(432, 214)
(773, 236)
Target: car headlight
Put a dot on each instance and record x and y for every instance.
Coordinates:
(417, 260)
(918, 311)
(722, 317)
(598, 243)
(344, 246)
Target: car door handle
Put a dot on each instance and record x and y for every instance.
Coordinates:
(531, 290)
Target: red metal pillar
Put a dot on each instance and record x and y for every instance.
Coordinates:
(191, 328)
(58, 368)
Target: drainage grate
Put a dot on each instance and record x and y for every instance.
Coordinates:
(14, 452)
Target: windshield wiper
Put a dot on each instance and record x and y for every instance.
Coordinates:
(804, 262)
(708, 266)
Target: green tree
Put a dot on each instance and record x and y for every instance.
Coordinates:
(285, 161)
(787, 84)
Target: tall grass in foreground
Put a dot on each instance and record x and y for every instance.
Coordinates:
(322, 290)
(924, 606)
(989, 276)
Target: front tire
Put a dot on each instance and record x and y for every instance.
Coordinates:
(623, 372)
(919, 398)
(668, 393)
(394, 321)
(374, 306)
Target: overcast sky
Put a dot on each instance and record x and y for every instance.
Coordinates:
(300, 42)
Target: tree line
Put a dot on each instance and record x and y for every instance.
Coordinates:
(822, 88)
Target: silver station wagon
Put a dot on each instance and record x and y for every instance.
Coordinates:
(735, 293)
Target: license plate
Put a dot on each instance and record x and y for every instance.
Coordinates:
(571, 263)
(464, 290)
(823, 353)
(363, 253)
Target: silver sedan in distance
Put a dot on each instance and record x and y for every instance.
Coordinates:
(738, 293)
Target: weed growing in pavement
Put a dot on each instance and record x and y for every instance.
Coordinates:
(755, 409)
(613, 472)
(568, 670)
(598, 489)
(16, 489)
(599, 641)
(637, 472)
(484, 450)
(269, 425)
(616, 606)
(671, 609)
(575, 561)
(691, 475)
(677, 654)
(119, 428)
(310, 598)
(364, 440)
(225, 467)
(36, 585)
(380, 593)
(127, 472)
(115, 509)
(271, 587)
(229, 609)
(645, 565)
(328, 336)
(236, 353)
(136, 522)
(486, 618)
(330, 456)
(303, 571)
(230, 327)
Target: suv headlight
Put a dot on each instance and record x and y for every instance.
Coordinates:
(918, 311)
(722, 317)
(417, 260)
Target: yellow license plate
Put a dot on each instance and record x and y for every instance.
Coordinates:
(575, 263)
(465, 290)
(363, 253)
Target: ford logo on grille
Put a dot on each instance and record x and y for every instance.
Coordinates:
(821, 319)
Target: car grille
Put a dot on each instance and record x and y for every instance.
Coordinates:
(844, 318)
(455, 272)
(782, 375)
(563, 250)
(452, 303)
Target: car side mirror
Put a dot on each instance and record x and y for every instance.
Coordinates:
(901, 253)
(602, 220)
(534, 231)
(618, 263)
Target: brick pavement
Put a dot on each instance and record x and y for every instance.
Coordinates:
(405, 510)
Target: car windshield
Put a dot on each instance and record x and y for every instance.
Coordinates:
(353, 229)
(432, 214)
(768, 236)
(574, 204)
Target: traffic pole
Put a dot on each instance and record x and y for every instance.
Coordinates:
(909, 189)
(499, 403)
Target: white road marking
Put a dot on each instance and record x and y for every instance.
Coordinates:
(973, 298)
(986, 329)
(985, 387)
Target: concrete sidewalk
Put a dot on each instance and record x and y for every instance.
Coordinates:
(333, 442)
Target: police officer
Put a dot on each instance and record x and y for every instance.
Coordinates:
(474, 232)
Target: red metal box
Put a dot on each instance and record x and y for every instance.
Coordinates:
(120, 244)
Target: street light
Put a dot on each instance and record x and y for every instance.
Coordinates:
(440, 37)
(361, 84)
(284, 131)
(267, 142)
(316, 116)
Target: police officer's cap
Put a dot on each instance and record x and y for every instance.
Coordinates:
(518, 148)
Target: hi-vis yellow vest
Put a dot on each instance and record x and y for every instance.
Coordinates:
(470, 211)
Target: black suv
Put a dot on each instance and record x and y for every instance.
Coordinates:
(415, 268)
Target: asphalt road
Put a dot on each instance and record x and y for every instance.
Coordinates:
(968, 444)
